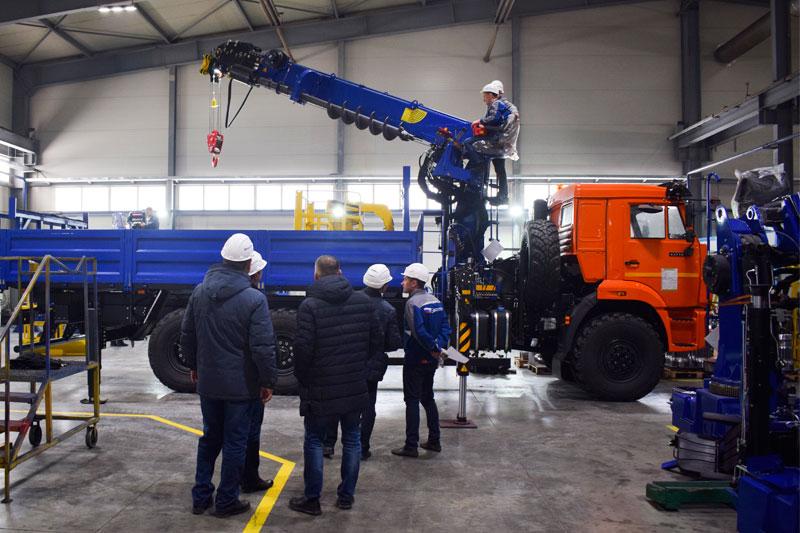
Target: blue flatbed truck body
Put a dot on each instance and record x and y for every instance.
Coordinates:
(130, 260)
(145, 278)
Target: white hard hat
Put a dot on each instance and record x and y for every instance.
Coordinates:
(237, 248)
(257, 263)
(377, 276)
(417, 271)
(495, 87)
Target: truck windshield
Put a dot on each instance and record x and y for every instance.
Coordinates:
(677, 230)
(647, 221)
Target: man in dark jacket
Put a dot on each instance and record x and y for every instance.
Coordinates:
(376, 279)
(337, 333)
(228, 343)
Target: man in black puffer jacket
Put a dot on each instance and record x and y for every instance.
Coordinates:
(376, 279)
(337, 333)
(228, 342)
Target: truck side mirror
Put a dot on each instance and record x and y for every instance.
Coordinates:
(689, 235)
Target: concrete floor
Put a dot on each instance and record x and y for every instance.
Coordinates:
(544, 458)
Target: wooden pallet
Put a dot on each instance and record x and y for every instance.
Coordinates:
(680, 373)
(539, 369)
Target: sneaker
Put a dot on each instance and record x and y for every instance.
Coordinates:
(237, 507)
(201, 508)
(433, 446)
(301, 504)
(344, 503)
(258, 486)
(327, 452)
(366, 454)
(406, 452)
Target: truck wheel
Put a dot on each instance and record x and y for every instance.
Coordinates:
(618, 357)
(540, 211)
(284, 322)
(164, 353)
(540, 264)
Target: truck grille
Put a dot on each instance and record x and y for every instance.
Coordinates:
(565, 239)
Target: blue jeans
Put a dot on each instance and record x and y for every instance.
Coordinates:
(418, 389)
(225, 428)
(367, 421)
(316, 428)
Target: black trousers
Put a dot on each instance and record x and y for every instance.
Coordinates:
(502, 178)
(418, 389)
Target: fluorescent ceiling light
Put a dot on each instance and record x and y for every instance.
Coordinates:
(104, 9)
(130, 8)
(117, 9)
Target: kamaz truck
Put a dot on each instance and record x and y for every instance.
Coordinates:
(606, 281)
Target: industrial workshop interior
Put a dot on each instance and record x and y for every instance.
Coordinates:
(400, 265)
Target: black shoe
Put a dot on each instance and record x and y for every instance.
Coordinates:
(406, 452)
(327, 452)
(200, 509)
(301, 504)
(343, 503)
(237, 507)
(433, 446)
(366, 454)
(257, 486)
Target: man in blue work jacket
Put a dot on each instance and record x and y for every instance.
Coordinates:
(427, 333)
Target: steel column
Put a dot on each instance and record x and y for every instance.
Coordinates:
(172, 131)
(691, 98)
(781, 67)
(516, 83)
(339, 124)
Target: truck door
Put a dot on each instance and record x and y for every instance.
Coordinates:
(655, 252)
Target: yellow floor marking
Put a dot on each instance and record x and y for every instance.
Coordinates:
(672, 428)
(270, 497)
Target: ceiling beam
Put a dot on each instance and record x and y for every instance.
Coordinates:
(335, 9)
(243, 13)
(67, 38)
(363, 24)
(28, 10)
(202, 17)
(148, 17)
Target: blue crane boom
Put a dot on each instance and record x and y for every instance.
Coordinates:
(379, 112)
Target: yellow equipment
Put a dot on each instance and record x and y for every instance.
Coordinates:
(338, 216)
(59, 347)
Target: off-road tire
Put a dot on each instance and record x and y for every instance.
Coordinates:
(163, 351)
(618, 357)
(284, 322)
(540, 265)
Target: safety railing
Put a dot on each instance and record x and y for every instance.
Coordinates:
(32, 273)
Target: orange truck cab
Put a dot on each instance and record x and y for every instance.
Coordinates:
(629, 284)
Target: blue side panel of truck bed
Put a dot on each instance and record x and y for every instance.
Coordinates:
(137, 259)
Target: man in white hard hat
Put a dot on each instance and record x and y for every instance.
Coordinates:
(427, 333)
(508, 141)
(251, 480)
(376, 280)
(228, 343)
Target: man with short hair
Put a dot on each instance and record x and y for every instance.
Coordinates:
(228, 343)
(337, 333)
(376, 279)
(427, 333)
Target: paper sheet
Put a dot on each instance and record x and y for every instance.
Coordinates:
(669, 279)
(455, 355)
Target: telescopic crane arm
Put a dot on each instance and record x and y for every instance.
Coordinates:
(379, 112)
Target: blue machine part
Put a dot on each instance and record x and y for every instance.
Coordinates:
(129, 259)
(769, 502)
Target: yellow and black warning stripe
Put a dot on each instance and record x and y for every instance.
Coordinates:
(464, 337)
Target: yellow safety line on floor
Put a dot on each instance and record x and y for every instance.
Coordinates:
(270, 497)
(672, 428)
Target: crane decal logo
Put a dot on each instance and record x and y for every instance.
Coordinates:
(413, 116)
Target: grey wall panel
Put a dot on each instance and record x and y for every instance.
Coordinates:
(600, 91)
(114, 126)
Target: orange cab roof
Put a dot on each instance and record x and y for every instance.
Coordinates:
(608, 190)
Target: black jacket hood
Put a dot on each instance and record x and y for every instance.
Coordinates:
(332, 289)
(223, 282)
